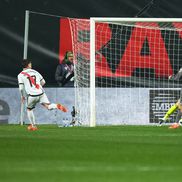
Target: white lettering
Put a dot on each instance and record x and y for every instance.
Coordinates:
(161, 106)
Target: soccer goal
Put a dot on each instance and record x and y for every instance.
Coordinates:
(122, 67)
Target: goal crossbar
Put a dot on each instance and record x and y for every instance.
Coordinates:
(99, 19)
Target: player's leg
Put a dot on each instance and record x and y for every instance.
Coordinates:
(31, 102)
(45, 102)
(31, 116)
(178, 120)
(171, 110)
(179, 115)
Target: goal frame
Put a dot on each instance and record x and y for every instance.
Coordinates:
(93, 21)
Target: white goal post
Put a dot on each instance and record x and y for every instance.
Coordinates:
(160, 72)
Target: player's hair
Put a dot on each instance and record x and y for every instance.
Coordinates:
(25, 62)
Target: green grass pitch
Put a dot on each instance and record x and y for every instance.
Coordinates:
(81, 154)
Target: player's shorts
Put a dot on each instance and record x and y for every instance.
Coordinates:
(33, 100)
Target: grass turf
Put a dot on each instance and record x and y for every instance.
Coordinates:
(118, 153)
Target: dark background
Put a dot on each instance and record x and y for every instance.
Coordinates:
(12, 13)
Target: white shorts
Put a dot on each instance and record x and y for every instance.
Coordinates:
(33, 100)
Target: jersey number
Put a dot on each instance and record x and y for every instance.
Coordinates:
(34, 78)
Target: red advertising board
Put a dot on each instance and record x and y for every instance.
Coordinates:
(129, 59)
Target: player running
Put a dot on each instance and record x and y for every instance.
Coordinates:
(31, 82)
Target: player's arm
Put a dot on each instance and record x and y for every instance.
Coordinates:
(42, 82)
(21, 89)
(177, 76)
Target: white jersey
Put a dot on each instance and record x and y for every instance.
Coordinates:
(25, 78)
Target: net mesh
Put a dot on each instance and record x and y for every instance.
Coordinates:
(133, 61)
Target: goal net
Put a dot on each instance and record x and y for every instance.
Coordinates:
(122, 67)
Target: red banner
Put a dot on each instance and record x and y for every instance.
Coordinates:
(127, 60)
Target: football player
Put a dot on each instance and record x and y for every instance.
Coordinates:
(31, 81)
